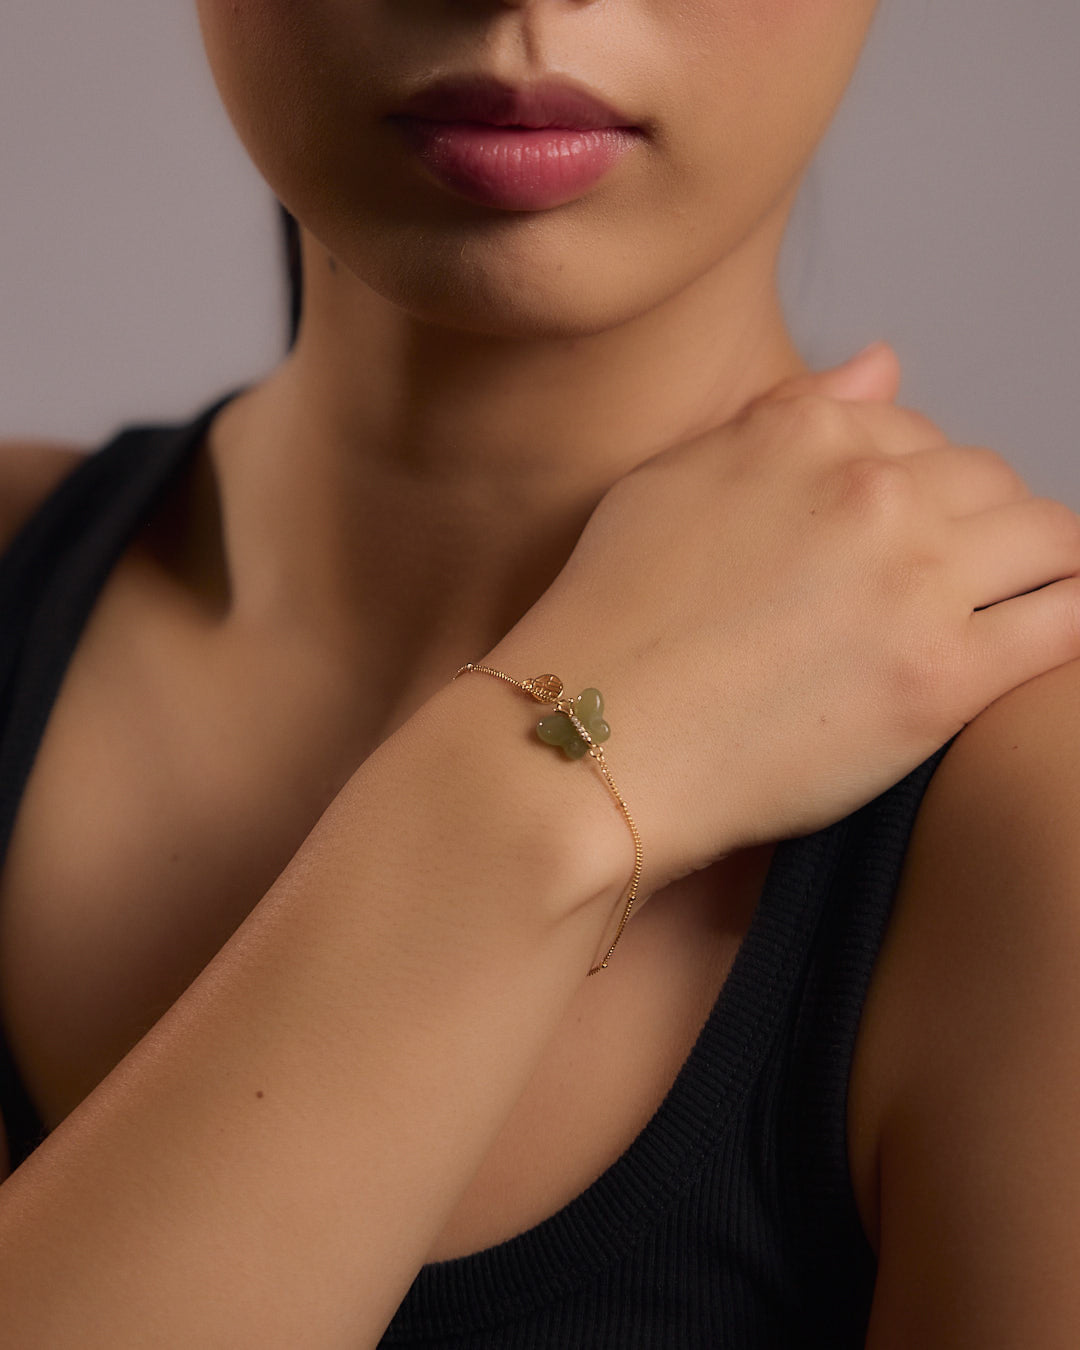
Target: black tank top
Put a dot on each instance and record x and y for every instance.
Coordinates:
(730, 1221)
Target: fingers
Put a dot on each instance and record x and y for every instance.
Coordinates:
(965, 479)
(1011, 549)
(873, 373)
(896, 430)
(842, 426)
(1016, 640)
(961, 479)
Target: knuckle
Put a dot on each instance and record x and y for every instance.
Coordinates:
(1062, 520)
(917, 422)
(993, 462)
(808, 418)
(817, 418)
(873, 485)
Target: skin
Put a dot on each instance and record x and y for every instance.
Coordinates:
(355, 528)
(467, 383)
(472, 381)
(259, 612)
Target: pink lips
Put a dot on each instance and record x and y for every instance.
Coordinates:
(518, 148)
(514, 168)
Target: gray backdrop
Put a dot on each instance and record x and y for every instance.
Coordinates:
(140, 272)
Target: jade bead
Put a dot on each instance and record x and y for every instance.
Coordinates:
(557, 729)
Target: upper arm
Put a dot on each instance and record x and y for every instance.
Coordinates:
(29, 470)
(977, 999)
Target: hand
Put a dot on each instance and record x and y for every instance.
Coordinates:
(790, 612)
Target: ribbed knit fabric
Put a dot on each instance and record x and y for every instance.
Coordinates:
(730, 1221)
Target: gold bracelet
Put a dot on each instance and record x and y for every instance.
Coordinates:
(576, 727)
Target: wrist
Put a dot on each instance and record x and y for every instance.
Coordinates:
(475, 742)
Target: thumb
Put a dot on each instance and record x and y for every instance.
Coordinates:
(872, 374)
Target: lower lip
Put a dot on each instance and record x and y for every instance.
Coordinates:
(516, 168)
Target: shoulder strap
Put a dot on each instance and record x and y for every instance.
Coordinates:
(53, 570)
(813, 1125)
(50, 576)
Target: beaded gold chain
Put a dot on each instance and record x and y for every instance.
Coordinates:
(576, 727)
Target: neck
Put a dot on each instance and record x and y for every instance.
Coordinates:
(397, 477)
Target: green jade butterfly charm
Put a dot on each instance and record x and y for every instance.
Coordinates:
(563, 728)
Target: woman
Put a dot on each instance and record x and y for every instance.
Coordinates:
(295, 925)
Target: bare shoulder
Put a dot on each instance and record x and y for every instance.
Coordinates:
(965, 1096)
(29, 470)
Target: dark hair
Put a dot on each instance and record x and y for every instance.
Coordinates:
(294, 268)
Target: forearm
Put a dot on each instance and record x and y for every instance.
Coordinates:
(271, 1163)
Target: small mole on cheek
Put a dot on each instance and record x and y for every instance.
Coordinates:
(332, 262)
(259, 1093)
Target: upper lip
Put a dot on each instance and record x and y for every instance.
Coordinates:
(552, 102)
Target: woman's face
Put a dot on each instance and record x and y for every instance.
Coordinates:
(736, 95)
